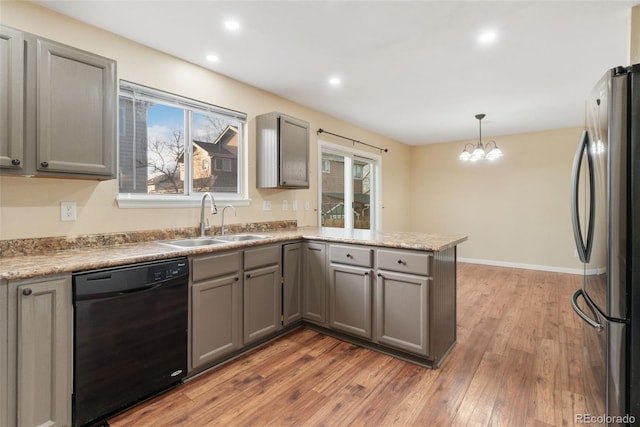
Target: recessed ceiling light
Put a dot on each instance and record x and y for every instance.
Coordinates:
(212, 58)
(487, 37)
(232, 25)
(335, 81)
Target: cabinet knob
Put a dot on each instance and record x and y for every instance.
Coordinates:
(349, 256)
(26, 292)
(248, 276)
(366, 273)
(401, 262)
(379, 275)
(44, 164)
(15, 162)
(236, 279)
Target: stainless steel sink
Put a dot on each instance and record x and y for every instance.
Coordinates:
(240, 237)
(195, 242)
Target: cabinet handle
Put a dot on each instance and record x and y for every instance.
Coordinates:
(248, 276)
(379, 275)
(236, 279)
(15, 162)
(26, 292)
(366, 273)
(44, 164)
(401, 262)
(349, 256)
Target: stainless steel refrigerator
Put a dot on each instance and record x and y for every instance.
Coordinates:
(606, 223)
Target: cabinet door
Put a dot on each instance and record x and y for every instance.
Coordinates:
(350, 300)
(44, 353)
(314, 292)
(262, 303)
(292, 278)
(402, 311)
(294, 152)
(76, 111)
(11, 98)
(215, 319)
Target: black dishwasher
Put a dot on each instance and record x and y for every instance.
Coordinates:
(130, 336)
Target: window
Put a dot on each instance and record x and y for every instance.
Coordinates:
(326, 166)
(168, 145)
(350, 192)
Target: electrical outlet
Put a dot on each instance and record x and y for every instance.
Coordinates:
(294, 205)
(285, 205)
(67, 211)
(266, 205)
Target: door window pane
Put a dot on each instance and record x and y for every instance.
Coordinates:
(333, 208)
(361, 194)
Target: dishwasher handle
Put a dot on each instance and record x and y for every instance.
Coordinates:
(104, 294)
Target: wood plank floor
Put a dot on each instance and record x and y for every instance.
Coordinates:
(515, 364)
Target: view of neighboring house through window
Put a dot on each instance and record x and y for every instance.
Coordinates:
(348, 189)
(174, 146)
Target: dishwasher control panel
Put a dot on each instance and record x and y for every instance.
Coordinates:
(168, 270)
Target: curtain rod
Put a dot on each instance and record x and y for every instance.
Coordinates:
(320, 130)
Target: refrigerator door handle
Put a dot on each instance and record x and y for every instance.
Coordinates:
(584, 248)
(574, 303)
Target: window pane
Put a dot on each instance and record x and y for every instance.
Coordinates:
(151, 148)
(215, 153)
(333, 191)
(361, 194)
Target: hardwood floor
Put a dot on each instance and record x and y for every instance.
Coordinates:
(514, 365)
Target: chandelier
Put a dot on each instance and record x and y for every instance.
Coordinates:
(480, 151)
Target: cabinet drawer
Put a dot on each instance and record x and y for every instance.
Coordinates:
(405, 261)
(351, 255)
(260, 257)
(218, 265)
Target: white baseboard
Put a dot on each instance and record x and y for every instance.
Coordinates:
(524, 266)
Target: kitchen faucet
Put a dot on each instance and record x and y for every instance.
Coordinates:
(234, 214)
(214, 210)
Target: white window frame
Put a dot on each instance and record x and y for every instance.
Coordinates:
(192, 199)
(376, 196)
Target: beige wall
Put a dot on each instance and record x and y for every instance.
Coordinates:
(515, 210)
(30, 207)
(634, 48)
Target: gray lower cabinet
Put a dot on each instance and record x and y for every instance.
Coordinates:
(314, 282)
(350, 300)
(262, 293)
(57, 109)
(403, 300)
(402, 311)
(39, 333)
(291, 283)
(215, 329)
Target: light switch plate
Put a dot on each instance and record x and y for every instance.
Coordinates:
(294, 205)
(285, 205)
(67, 211)
(266, 205)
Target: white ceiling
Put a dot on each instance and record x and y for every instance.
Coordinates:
(410, 70)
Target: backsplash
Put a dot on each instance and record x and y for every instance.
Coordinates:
(44, 245)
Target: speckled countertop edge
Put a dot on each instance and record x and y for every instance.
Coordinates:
(73, 260)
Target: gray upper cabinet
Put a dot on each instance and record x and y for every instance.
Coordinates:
(76, 106)
(57, 109)
(282, 148)
(11, 98)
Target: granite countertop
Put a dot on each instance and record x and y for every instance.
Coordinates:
(82, 259)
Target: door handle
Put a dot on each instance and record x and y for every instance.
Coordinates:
(574, 303)
(584, 248)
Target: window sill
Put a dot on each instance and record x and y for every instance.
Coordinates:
(138, 201)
